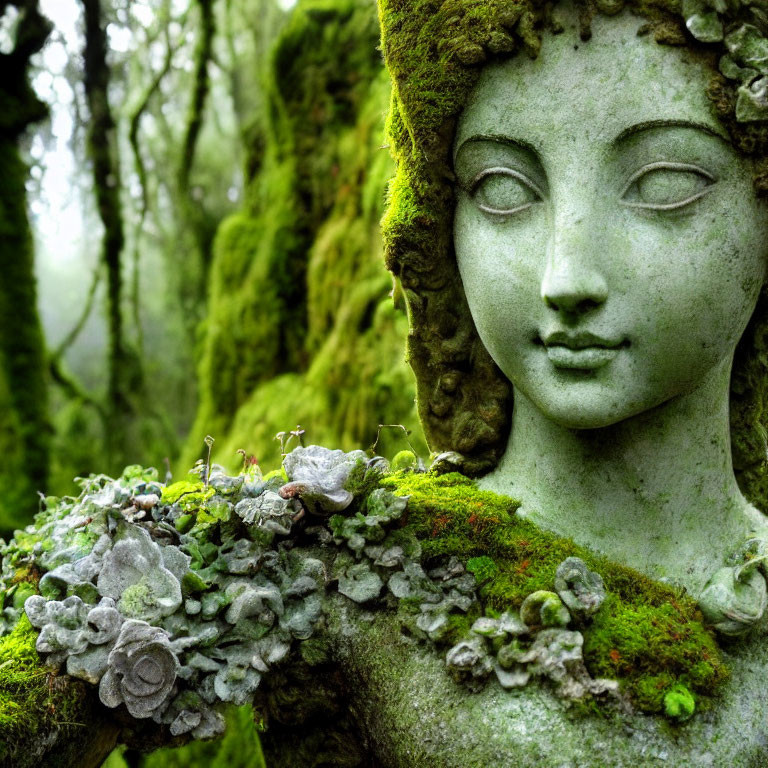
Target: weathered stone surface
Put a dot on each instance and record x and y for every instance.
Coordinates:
(415, 714)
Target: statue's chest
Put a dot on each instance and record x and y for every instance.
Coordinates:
(411, 713)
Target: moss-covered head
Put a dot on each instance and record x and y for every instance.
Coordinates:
(435, 52)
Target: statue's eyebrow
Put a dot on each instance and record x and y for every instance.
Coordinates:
(639, 127)
(499, 139)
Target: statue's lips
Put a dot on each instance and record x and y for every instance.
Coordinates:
(582, 351)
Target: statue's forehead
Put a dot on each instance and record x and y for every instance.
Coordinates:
(594, 89)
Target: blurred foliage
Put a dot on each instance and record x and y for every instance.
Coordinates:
(322, 344)
(183, 95)
(238, 748)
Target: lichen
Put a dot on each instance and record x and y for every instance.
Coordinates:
(173, 625)
(494, 594)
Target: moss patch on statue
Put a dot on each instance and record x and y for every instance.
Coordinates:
(218, 582)
(647, 635)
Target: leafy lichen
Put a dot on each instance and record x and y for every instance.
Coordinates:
(459, 562)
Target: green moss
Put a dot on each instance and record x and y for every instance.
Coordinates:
(362, 481)
(136, 599)
(31, 699)
(679, 703)
(483, 568)
(632, 641)
(190, 494)
(404, 460)
(647, 635)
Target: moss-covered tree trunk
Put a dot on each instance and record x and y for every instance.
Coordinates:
(300, 325)
(24, 427)
(194, 222)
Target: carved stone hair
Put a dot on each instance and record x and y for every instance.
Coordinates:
(435, 50)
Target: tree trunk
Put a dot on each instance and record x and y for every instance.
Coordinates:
(103, 154)
(24, 426)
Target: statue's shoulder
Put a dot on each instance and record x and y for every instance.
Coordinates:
(414, 713)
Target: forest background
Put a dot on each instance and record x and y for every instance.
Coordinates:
(190, 195)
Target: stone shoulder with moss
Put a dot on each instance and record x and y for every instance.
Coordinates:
(373, 614)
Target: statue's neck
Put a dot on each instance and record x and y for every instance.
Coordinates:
(655, 492)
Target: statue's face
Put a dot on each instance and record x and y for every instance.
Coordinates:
(607, 234)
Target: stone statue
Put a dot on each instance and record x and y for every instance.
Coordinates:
(608, 261)
(579, 227)
(612, 252)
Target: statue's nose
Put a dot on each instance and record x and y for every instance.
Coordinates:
(573, 281)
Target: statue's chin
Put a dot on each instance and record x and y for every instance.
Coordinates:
(585, 420)
(598, 411)
(623, 394)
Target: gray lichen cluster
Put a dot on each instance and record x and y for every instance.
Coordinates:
(515, 647)
(176, 600)
(175, 624)
(536, 642)
(747, 44)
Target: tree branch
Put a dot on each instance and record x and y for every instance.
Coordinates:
(72, 387)
(71, 337)
(135, 122)
(203, 53)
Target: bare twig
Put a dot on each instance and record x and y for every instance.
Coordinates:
(406, 433)
(71, 337)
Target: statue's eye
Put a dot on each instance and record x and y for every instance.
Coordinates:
(666, 186)
(503, 191)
